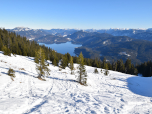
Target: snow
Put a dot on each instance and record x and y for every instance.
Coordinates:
(31, 38)
(116, 93)
(17, 29)
(64, 35)
(105, 42)
(124, 53)
(69, 39)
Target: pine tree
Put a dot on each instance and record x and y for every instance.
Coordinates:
(88, 62)
(6, 51)
(128, 66)
(105, 66)
(54, 62)
(114, 65)
(1, 44)
(71, 65)
(64, 61)
(120, 66)
(82, 78)
(96, 63)
(41, 65)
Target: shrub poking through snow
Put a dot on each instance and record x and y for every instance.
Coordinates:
(101, 71)
(82, 77)
(106, 72)
(96, 71)
(60, 68)
(11, 72)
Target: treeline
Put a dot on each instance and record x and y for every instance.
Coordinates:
(145, 69)
(10, 42)
(118, 65)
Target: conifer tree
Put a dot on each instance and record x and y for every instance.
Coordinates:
(82, 78)
(105, 66)
(120, 66)
(41, 65)
(128, 66)
(6, 51)
(88, 62)
(114, 65)
(95, 71)
(68, 56)
(64, 61)
(54, 62)
(96, 63)
(75, 59)
(1, 44)
(71, 65)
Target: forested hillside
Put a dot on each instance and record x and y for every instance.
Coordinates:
(10, 42)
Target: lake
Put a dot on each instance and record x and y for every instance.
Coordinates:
(63, 48)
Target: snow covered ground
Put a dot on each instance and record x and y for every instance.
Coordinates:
(117, 93)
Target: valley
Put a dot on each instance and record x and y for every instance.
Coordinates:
(76, 57)
(113, 44)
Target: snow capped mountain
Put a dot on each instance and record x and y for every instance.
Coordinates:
(29, 33)
(17, 29)
(37, 33)
(116, 93)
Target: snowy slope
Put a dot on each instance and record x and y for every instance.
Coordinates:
(117, 93)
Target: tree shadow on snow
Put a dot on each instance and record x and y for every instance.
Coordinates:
(18, 71)
(140, 85)
(36, 107)
(62, 79)
(4, 73)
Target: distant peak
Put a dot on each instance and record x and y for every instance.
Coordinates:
(21, 29)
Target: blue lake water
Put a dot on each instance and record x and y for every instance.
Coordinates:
(63, 48)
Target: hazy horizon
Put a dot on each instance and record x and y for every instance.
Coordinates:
(76, 28)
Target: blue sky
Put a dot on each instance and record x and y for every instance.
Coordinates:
(80, 14)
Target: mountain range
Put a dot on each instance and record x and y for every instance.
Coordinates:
(144, 34)
(100, 45)
(110, 43)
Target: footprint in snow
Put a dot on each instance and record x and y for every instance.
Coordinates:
(106, 110)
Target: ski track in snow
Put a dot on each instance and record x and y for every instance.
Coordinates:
(60, 93)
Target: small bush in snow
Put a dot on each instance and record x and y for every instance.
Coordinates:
(96, 71)
(101, 71)
(11, 72)
(60, 68)
(106, 72)
(113, 78)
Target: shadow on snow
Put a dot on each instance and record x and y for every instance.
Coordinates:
(140, 85)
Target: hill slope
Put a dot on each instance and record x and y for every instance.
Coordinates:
(60, 93)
